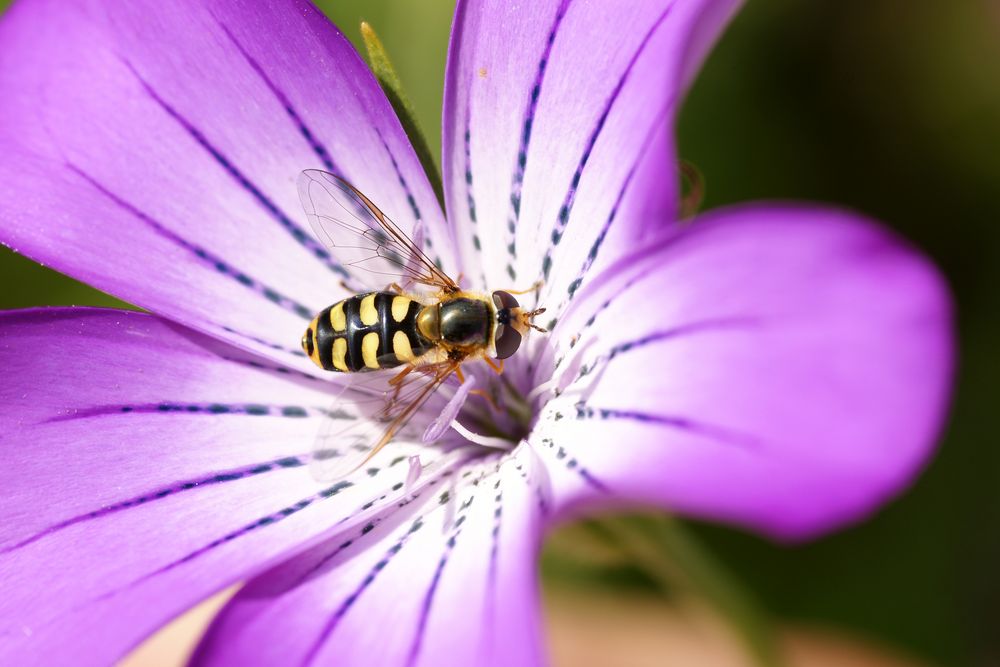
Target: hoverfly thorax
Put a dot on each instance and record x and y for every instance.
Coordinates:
(460, 322)
(465, 322)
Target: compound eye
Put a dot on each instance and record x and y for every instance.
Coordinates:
(506, 341)
(504, 300)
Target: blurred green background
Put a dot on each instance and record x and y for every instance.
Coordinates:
(891, 107)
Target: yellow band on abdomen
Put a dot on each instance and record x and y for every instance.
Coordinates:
(367, 311)
(369, 349)
(340, 354)
(400, 307)
(337, 319)
(401, 346)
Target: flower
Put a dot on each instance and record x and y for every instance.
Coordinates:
(781, 367)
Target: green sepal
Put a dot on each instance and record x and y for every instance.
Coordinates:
(692, 189)
(387, 77)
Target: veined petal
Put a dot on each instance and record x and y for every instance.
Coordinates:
(146, 467)
(450, 580)
(558, 137)
(780, 367)
(151, 150)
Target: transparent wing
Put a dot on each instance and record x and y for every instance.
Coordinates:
(385, 413)
(363, 239)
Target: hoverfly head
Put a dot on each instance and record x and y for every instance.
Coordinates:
(513, 323)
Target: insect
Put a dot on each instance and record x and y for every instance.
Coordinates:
(426, 336)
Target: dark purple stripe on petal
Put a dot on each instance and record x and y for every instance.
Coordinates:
(495, 531)
(607, 302)
(345, 606)
(211, 409)
(298, 233)
(266, 343)
(567, 206)
(470, 198)
(348, 602)
(315, 144)
(173, 488)
(200, 254)
(522, 153)
(425, 609)
(347, 543)
(410, 199)
(734, 323)
(715, 324)
(276, 368)
(266, 520)
(572, 464)
(595, 248)
(715, 433)
(631, 282)
(543, 505)
(366, 529)
(262, 522)
(428, 601)
(682, 235)
(491, 572)
(706, 326)
(582, 333)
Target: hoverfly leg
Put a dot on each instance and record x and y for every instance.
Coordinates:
(400, 375)
(459, 374)
(487, 396)
(497, 368)
(397, 383)
(394, 287)
(538, 284)
(348, 287)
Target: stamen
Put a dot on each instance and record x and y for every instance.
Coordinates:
(492, 443)
(549, 385)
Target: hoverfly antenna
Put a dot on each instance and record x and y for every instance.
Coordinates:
(530, 315)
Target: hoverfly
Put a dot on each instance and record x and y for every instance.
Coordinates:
(426, 336)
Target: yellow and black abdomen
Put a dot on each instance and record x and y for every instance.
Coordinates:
(366, 332)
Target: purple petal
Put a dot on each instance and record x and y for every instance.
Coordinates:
(448, 580)
(558, 129)
(146, 467)
(151, 150)
(783, 368)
